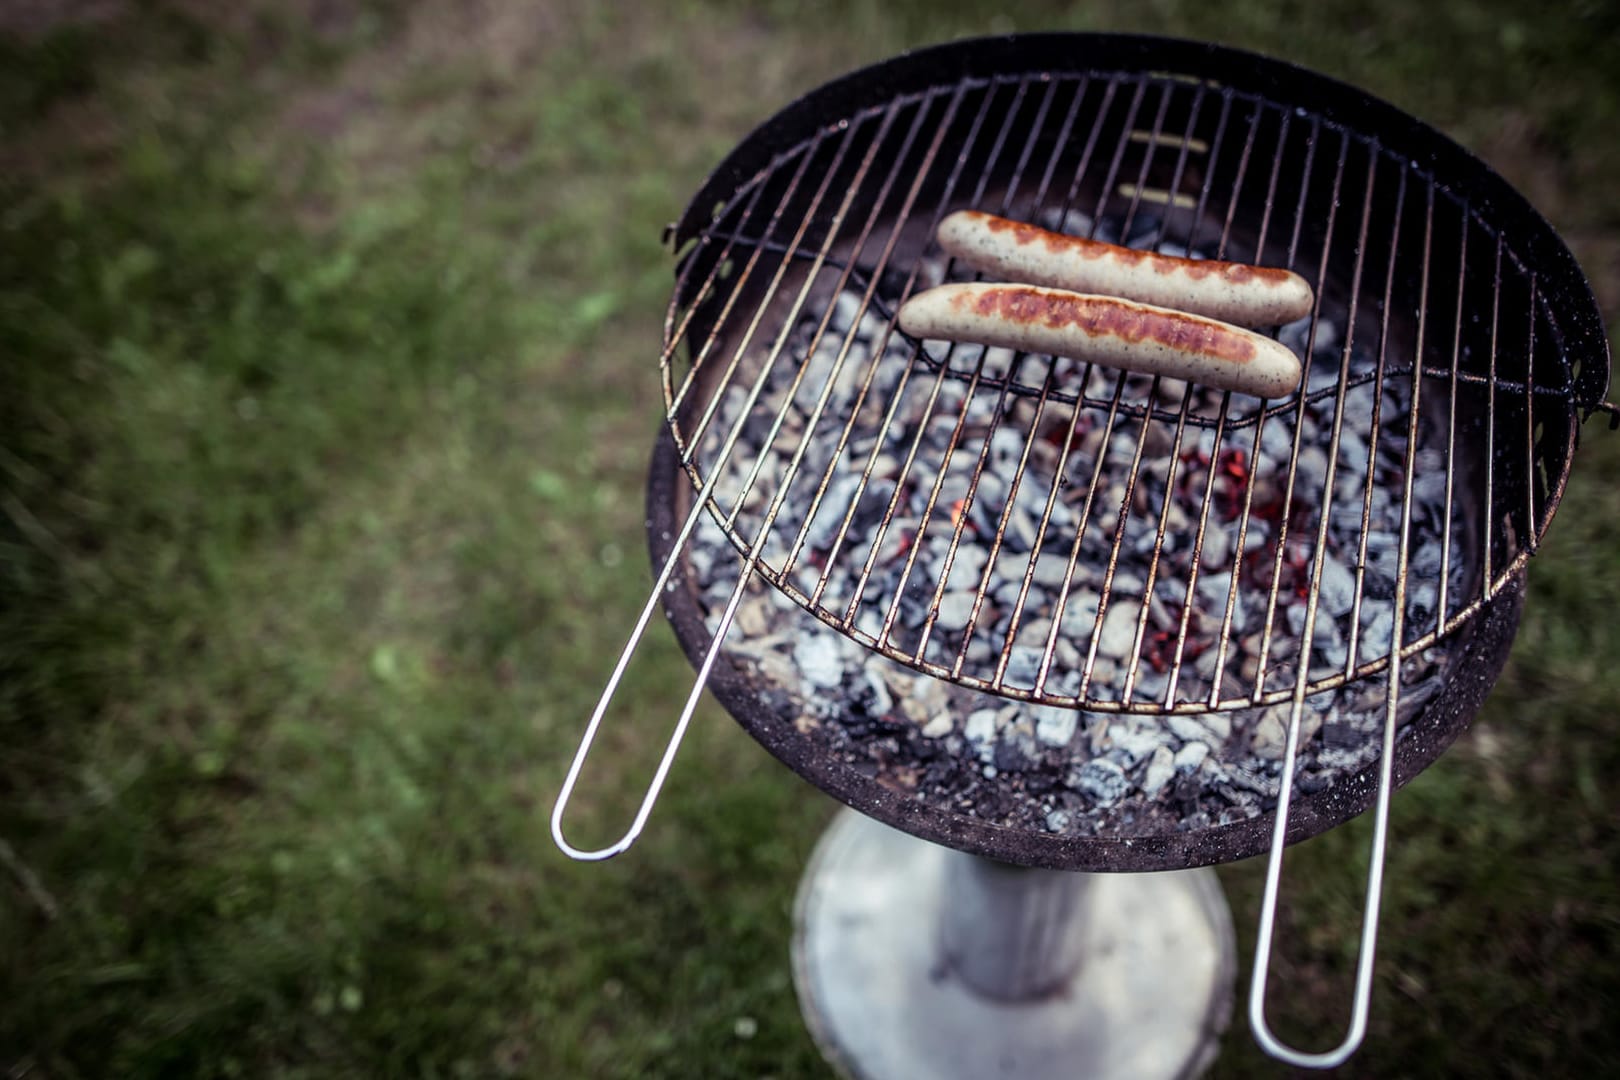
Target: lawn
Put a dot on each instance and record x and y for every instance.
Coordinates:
(329, 335)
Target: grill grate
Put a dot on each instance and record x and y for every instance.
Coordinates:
(888, 173)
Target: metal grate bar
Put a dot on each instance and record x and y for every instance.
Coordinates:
(914, 548)
(1246, 515)
(1106, 446)
(1490, 420)
(866, 385)
(1147, 160)
(1105, 591)
(689, 453)
(881, 532)
(1271, 191)
(1174, 673)
(1214, 156)
(793, 465)
(1184, 623)
(1451, 421)
(961, 514)
(1001, 531)
(872, 218)
(1059, 481)
(846, 433)
(1376, 424)
(1071, 426)
(674, 335)
(1314, 591)
(1107, 103)
(1188, 598)
(1016, 617)
(1223, 640)
(1047, 651)
(1531, 532)
(1185, 151)
(690, 448)
(897, 397)
(1119, 156)
(1300, 415)
(1080, 531)
(1133, 473)
(899, 394)
(1175, 457)
(1158, 543)
(1062, 140)
(778, 349)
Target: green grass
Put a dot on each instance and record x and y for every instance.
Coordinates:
(328, 387)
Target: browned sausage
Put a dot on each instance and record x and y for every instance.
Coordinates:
(1232, 292)
(1107, 330)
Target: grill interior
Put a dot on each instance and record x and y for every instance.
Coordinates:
(1432, 342)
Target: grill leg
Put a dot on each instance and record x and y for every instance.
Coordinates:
(914, 960)
(1009, 932)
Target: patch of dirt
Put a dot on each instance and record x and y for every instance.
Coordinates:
(381, 103)
(500, 40)
(452, 70)
(32, 20)
(143, 61)
(83, 132)
(487, 44)
(324, 18)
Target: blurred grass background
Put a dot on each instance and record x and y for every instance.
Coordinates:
(328, 332)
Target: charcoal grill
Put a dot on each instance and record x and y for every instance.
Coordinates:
(1029, 532)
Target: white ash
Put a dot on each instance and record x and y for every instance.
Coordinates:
(1101, 780)
(1054, 726)
(1160, 769)
(817, 657)
(1191, 756)
(940, 574)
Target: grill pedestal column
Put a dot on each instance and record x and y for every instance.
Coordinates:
(914, 960)
(1009, 932)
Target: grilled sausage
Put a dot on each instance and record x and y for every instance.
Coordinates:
(1232, 292)
(1107, 330)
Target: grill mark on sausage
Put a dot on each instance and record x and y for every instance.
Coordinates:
(1105, 317)
(1025, 234)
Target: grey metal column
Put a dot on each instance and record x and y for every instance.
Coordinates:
(1010, 932)
(914, 960)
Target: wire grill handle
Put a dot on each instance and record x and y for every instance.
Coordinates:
(650, 796)
(1369, 922)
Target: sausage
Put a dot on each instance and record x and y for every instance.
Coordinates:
(1232, 292)
(1107, 330)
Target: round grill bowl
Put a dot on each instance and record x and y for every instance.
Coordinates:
(756, 706)
(1521, 352)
